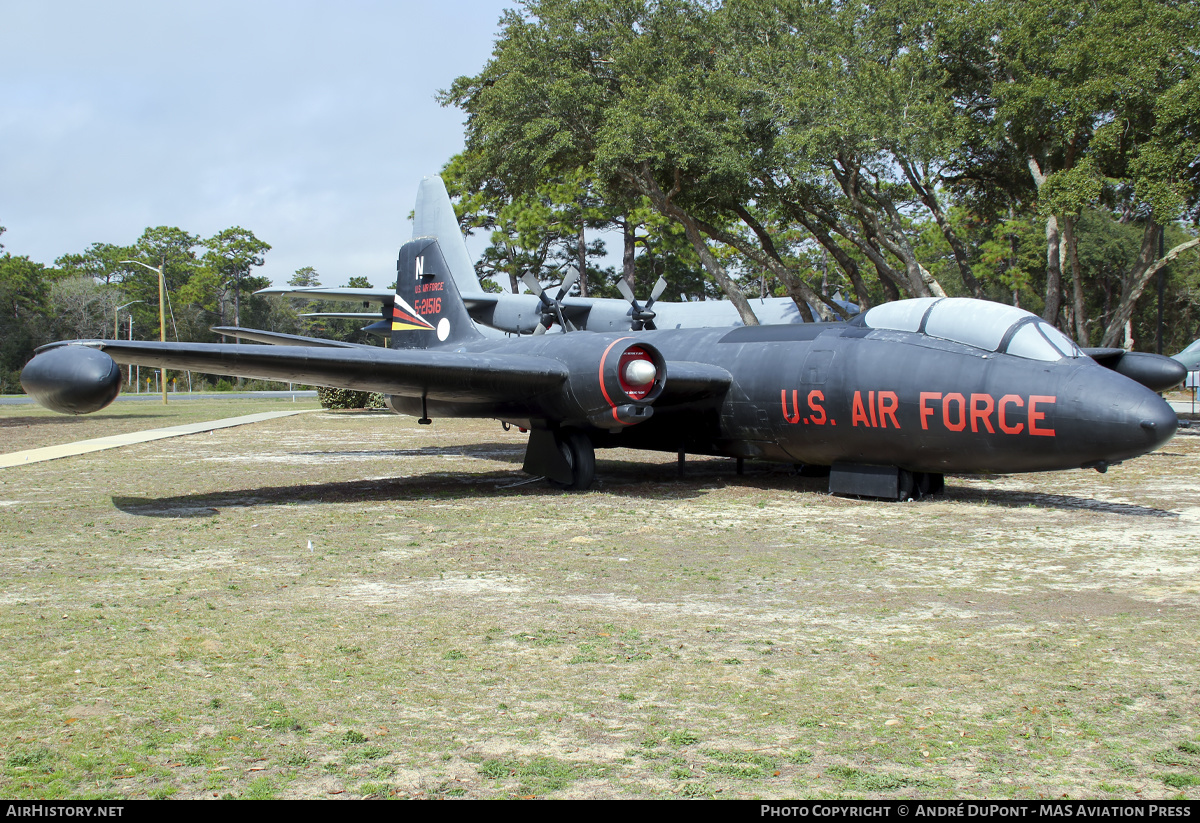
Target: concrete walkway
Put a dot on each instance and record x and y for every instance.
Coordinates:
(22, 458)
(21, 399)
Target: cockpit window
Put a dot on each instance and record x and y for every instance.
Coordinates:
(1061, 342)
(1029, 343)
(1038, 340)
(902, 315)
(979, 323)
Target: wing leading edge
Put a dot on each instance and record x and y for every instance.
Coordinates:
(437, 375)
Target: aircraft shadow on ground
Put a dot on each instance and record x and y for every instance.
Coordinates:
(499, 452)
(430, 486)
(623, 478)
(13, 422)
(656, 481)
(1020, 500)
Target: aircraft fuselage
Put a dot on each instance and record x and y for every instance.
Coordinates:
(824, 394)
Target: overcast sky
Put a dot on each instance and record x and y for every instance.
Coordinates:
(308, 123)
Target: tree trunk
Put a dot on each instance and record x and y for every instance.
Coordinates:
(1053, 256)
(716, 270)
(662, 201)
(891, 279)
(928, 196)
(237, 305)
(1053, 273)
(628, 254)
(844, 261)
(1134, 283)
(581, 251)
(801, 293)
(891, 237)
(1071, 246)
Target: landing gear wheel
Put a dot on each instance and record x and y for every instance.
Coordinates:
(577, 450)
(927, 484)
(907, 485)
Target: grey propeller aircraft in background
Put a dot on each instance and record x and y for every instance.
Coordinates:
(537, 310)
(889, 402)
(1190, 356)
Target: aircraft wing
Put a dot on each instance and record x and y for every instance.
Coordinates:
(446, 376)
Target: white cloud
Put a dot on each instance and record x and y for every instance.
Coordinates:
(308, 123)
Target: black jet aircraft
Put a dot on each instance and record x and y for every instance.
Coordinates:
(890, 401)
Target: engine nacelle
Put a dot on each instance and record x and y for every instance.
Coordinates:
(72, 379)
(627, 379)
(1154, 371)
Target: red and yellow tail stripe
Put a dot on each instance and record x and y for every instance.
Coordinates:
(405, 317)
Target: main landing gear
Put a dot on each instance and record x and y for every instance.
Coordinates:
(576, 448)
(565, 457)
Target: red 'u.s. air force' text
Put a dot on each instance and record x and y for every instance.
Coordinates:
(977, 412)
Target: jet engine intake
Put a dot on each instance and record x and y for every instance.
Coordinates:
(634, 373)
(632, 376)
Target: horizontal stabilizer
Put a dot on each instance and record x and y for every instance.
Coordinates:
(322, 293)
(342, 315)
(280, 339)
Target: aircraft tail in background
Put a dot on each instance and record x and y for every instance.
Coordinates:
(434, 217)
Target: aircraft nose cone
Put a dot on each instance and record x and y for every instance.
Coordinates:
(1136, 421)
(1109, 418)
(1158, 420)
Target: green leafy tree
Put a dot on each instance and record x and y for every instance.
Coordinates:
(24, 315)
(616, 91)
(1098, 103)
(533, 231)
(229, 257)
(101, 261)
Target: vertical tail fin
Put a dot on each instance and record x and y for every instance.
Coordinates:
(434, 217)
(429, 310)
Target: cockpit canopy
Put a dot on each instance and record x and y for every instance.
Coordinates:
(979, 323)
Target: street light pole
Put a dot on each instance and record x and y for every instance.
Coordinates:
(162, 316)
(117, 327)
(117, 317)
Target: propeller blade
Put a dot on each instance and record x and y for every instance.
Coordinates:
(568, 281)
(659, 288)
(532, 283)
(625, 291)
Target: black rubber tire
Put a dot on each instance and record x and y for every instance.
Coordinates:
(579, 452)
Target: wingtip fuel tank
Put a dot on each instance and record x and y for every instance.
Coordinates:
(72, 379)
